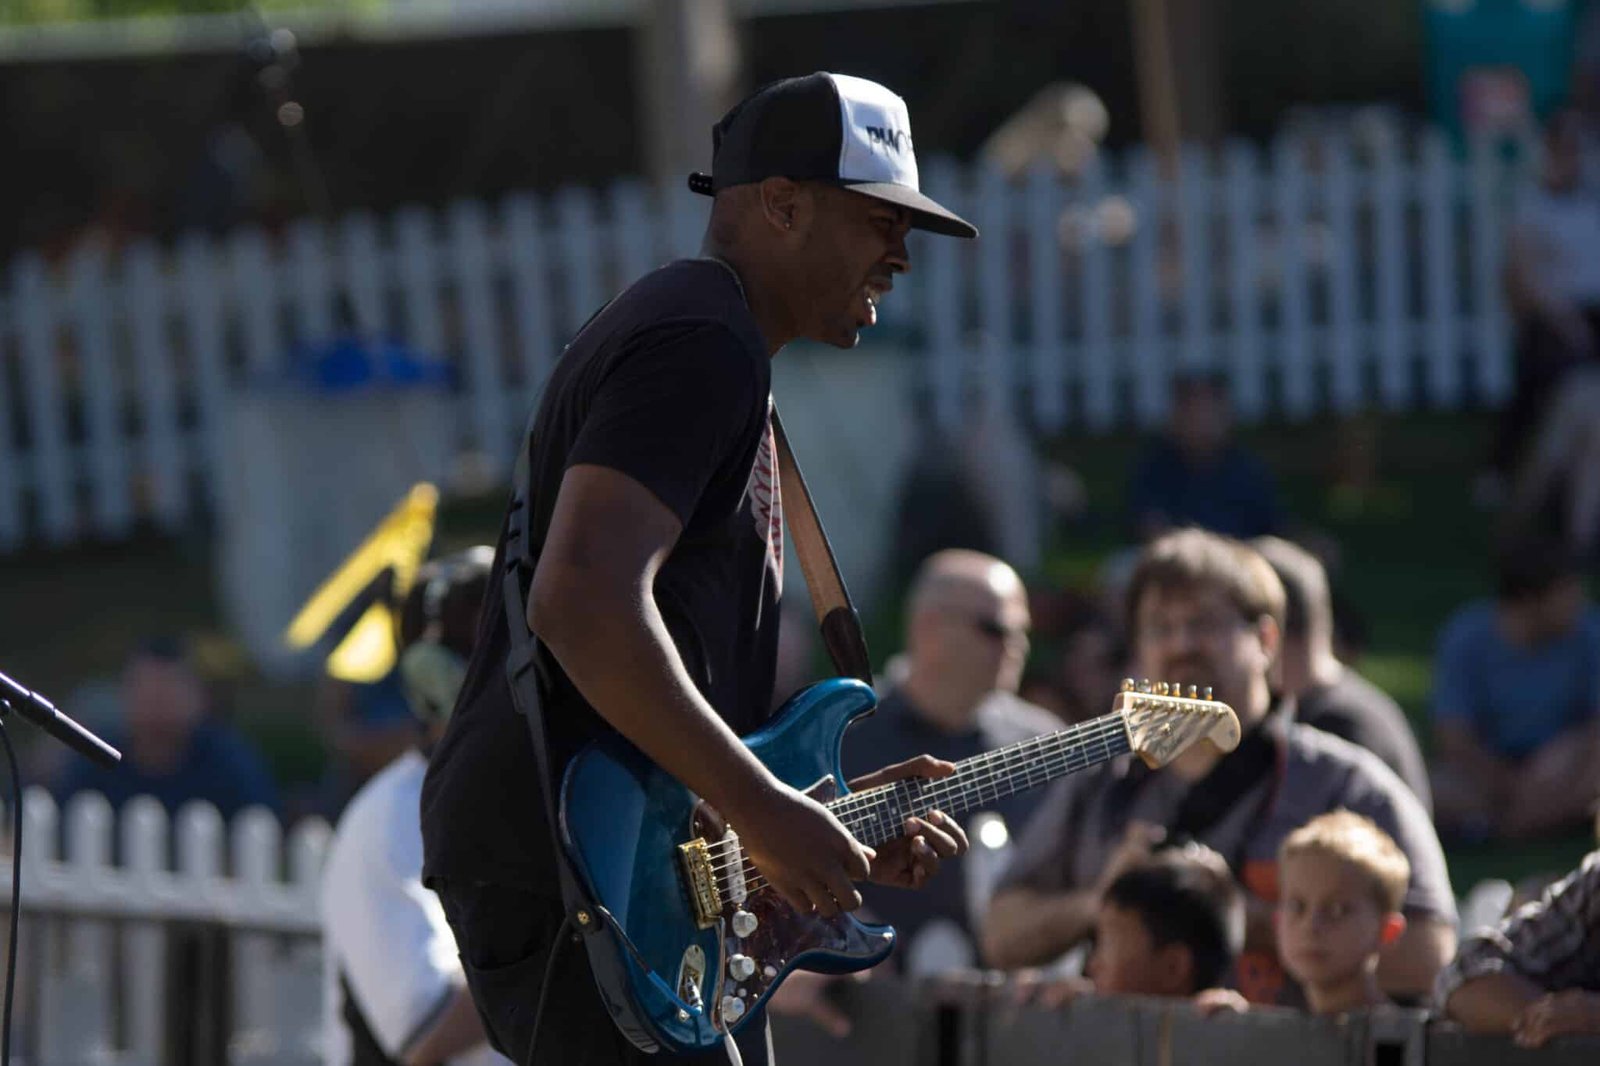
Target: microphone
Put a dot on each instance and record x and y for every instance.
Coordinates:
(42, 713)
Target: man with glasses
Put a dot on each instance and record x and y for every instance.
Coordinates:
(1207, 610)
(952, 694)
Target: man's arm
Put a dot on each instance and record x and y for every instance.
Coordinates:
(1489, 1004)
(1408, 966)
(1457, 700)
(1548, 946)
(1029, 928)
(1556, 786)
(592, 603)
(1457, 745)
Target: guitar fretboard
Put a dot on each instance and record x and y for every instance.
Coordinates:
(876, 816)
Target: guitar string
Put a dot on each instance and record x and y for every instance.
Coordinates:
(1067, 747)
(979, 776)
(879, 799)
(759, 881)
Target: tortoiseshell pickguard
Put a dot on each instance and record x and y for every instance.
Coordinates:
(783, 936)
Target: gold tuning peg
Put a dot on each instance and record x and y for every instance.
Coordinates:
(1144, 685)
(1127, 684)
(1205, 693)
(1194, 692)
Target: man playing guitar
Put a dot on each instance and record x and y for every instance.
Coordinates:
(656, 522)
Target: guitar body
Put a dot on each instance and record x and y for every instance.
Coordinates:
(695, 973)
(695, 942)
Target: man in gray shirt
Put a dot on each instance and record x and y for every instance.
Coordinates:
(1207, 610)
(952, 695)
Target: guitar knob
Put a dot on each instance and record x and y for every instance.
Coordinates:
(744, 923)
(741, 967)
(732, 1008)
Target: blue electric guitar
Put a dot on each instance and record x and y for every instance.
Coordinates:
(703, 940)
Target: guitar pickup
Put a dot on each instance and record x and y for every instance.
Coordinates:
(702, 881)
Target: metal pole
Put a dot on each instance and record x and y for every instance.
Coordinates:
(689, 65)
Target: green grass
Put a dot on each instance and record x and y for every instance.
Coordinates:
(1413, 546)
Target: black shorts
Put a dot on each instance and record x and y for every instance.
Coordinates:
(505, 936)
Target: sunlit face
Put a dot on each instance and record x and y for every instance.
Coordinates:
(1330, 925)
(977, 633)
(852, 247)
(1197, 636)
(1127, 962)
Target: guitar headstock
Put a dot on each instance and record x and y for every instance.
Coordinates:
(1164, 720)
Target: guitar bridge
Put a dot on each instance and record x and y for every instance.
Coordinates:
(702, 881)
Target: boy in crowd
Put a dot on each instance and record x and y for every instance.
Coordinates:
(1341, 882)
(1170, 926)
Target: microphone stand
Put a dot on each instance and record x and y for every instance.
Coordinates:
(42, 713)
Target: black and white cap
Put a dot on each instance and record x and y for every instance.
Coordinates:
(833, 128)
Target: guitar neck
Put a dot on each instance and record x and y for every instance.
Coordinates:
(876, 816)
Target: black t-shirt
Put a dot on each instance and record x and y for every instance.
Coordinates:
(670, 385)
(1360, 712)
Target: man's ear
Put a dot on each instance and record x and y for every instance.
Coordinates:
(1271, 638)
(1394, 925)
(780, 203)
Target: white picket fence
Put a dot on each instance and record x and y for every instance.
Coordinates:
(1328, 275)
(99, 980)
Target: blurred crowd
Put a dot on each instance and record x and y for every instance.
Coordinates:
(1304, 869)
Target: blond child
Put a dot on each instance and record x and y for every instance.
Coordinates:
(1341, 880)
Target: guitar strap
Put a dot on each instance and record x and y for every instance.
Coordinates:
(841, 634)
(583, 913)
(1258, 763)
(836, 615)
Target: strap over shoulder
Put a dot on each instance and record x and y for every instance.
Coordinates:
(836, 615)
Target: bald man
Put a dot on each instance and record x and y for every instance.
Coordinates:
(952, 694)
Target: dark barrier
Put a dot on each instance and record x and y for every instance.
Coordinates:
(1150, 1032)
(979, 1023)
(889, 1027)
(1450, 1045)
